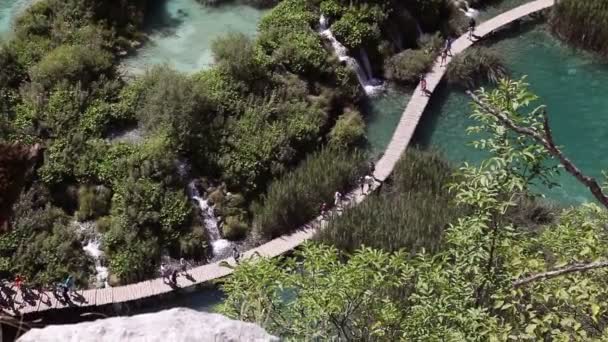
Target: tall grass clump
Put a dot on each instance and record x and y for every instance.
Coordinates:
(295, 198)
(411, 212)
(475, 66)
(583, 24)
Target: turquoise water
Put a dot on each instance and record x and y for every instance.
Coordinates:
(572, 84)
(181, 32)
(382, 116)
(9, 9)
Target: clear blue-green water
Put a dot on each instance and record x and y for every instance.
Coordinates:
(181, 32)
(382, 117)
(572, 84)
(9, 10)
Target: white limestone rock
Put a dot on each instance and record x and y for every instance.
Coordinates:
(174, 325)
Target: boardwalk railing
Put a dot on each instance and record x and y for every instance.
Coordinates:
(397, 146)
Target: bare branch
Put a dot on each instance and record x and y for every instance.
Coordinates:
(579, 267)
(549, 144)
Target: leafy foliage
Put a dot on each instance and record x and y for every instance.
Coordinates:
(348, 130)
(475, 287)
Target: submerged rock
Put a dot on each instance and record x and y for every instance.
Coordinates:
(173, 325)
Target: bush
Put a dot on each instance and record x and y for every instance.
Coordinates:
(411, 212)
(75, 63)
(475, 66)
(582, 23)
(170, 102)
(359, 26)
(348, 130)
(93, 202)
(42, 245)
(295, 198)
(406, 66)
(235, 53)
(235, 228)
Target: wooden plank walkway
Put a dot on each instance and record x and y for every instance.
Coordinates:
(399, 142)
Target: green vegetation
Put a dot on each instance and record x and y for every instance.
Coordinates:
(296, 198)
(582, 24)
(492, 277)
(411, 212)
(406, 66)
(476, 66)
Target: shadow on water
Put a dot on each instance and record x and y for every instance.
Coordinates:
(160, 20)
(430, 118)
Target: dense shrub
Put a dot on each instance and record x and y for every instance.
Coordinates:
(93, 202)
(582, 23)
(411, 212)
(42, 246)
(348, 130)
(360, 25)
(170, 102)
(475, 66)
(406, 66)
(76, 63)
(295, 198)
(235, 53)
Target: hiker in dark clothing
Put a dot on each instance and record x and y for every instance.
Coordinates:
(174, 277)
(236, 254)
(472, 25)
(448, 46)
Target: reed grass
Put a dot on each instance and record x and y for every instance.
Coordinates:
(476, 66)
(582, 23)
(296, 198)
(411, 212)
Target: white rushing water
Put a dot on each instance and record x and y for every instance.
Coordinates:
(370, 85)
(93, 249)
(221, 247)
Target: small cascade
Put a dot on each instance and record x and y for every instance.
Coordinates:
(464, 7)
(419, 31)
(93, 249)
(221, 247)
(370, 85)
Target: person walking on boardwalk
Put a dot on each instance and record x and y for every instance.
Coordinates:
(164, 272)
(448, 46)
(174, 277)
(423, 88)
(472, 24)
(444, 57)
(337, 199)
(323, 210)
(236, 254)
(183, 266)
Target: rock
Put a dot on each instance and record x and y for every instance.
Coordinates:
(173, 325)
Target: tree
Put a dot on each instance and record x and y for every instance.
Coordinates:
(491, 280)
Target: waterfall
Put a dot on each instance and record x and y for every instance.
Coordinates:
(370, 85)
(366, 64)
(93, 249)
(221, 247)
(467, 10)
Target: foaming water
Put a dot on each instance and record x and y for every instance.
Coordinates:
(92, 248)
(181, 33)
(370, 85)
(221, 247)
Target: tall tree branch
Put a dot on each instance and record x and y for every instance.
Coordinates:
(579, 267)
(549, 144)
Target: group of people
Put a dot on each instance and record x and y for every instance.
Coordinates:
(447, 51)
(368, 180)
(171, 273)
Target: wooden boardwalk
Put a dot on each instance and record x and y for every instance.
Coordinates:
(399, 142)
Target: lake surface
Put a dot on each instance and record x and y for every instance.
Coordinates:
(571, 83)
(181, 32)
